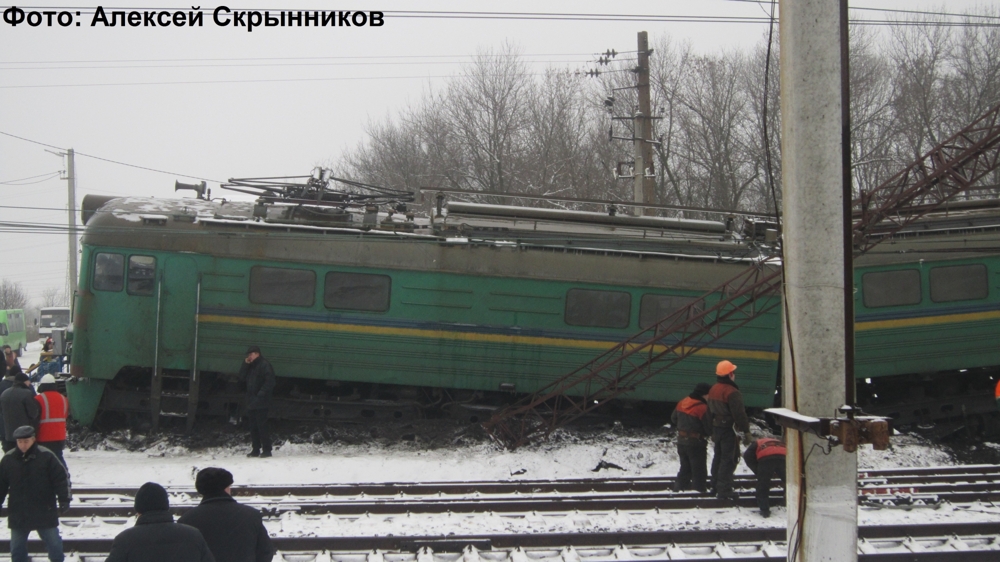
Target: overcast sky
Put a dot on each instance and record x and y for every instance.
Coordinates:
(220, 102)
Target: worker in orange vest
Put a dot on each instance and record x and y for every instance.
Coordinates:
(52, 425)
(725, 403)
(694, 426)
(766, 458)
(996, 392)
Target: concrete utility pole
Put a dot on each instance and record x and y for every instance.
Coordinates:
(72, 277)
(821, 491)
(643, 126)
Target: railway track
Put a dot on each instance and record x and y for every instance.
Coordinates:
(467, 502)
(968, 542)
(881, 488)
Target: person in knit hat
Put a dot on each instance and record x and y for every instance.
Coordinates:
(155, 537)
(694, 426)
(234, 532)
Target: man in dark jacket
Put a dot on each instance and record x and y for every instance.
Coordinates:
(11, 369)
(725, 403)
(18, 407)
(234, 532)
(35, 480)
(766, 458)
(259, 377)
(155, 537)
(694, 425)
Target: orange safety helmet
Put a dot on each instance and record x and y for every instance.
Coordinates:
(724, 368)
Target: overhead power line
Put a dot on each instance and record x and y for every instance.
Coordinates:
(45, 177)
(78, 153)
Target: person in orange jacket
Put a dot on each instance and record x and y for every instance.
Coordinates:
(694, 426)
(52, 424)
(996, 392)
(766, 458)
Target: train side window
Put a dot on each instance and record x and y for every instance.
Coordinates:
(274, 285)
(653, 308)
(109, 272)
(959, 283)
(601, 309)
(357, 291)
(141, 275)
(891, 288)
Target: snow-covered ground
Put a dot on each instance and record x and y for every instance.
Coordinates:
(566, 455)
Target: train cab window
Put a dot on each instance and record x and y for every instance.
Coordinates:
(109, 272)
(600, 309)
(141, 275)
(274, 285)
(653, 308)
(891, 288)
(3, 330)
(959, 283)
(357, 291)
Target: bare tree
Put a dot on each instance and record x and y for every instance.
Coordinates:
(12, 295)
(487, 107)
(53, 297)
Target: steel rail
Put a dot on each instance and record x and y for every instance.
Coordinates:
(652, 546)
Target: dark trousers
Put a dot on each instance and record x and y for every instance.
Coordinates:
(57, 448)
(260, 437)
(768, 468)
(50, 536)
(692, 453)
(724, 462)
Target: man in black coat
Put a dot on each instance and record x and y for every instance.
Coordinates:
(259, 377)
(35, 480)
(155, 537)
(18, 407)
(234, 532)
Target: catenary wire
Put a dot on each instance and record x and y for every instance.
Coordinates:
(110, 160)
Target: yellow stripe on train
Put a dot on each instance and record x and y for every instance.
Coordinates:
(927, 320)
(459, 336)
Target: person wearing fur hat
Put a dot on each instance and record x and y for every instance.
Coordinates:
(234, 532)
(694, 425)
(37, 483)
(155, 537)
(18, 408)
(54, 408)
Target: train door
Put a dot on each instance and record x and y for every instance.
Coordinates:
(174, 388)
(177, 311)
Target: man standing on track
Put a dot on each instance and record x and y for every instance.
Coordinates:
(694, 425)
(35, 481)
(725, 402)
(259, 376)
(234, 532)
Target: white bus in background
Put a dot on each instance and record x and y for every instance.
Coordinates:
(52, 317)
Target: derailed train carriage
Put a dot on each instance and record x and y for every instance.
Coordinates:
(367, 316)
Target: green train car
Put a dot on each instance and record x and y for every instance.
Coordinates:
(384, 316)
(363, 321)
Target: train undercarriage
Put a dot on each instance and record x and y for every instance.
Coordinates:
(936, 404)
